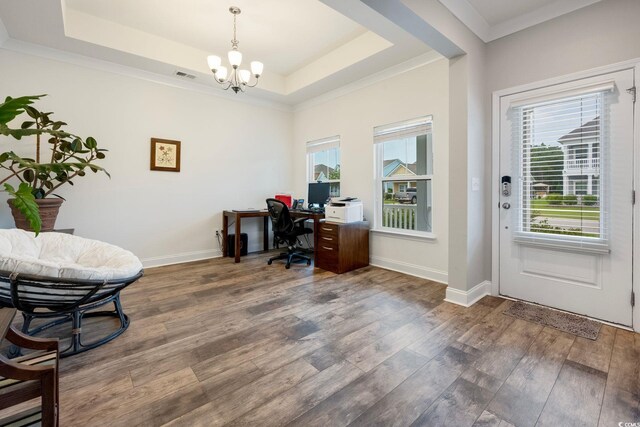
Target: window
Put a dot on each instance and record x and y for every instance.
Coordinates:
(323, 157)
(404, 177)
(558, 146)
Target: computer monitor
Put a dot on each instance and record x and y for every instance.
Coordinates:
(318, 193)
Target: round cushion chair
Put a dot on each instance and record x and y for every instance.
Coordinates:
(64, 278)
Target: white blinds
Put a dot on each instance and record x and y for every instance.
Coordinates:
(323, 144)
(560, 158)
(406, 129)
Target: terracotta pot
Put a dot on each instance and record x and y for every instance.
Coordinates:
(48, 213)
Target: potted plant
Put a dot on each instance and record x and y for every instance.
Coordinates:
(38, 178)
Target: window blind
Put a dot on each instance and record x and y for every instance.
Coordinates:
(406, 129)
(323, 144)
(560, 183)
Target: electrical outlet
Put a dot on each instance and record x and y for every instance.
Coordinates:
(217, 233)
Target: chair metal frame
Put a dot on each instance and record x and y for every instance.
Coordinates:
(31, 294)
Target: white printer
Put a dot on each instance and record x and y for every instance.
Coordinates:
(343, 210)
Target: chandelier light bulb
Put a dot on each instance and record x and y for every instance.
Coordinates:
(222, 74)
(214, 62)
(235, 58)
(257, 68)
(245, 76)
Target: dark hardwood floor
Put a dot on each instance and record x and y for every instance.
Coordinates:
(216, 343)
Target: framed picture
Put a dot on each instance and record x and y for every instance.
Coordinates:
(165, 155)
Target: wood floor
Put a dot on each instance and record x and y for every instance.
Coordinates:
(216, 343)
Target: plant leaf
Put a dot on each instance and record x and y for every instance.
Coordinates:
(25, 202)
(13, 107)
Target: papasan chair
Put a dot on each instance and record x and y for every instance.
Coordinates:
(64, 278)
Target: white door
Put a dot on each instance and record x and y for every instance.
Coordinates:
(562, 247)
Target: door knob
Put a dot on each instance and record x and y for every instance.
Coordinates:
(506, 205)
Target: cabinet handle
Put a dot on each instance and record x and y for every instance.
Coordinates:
(328, 238)
(329, 249)
(327, 229)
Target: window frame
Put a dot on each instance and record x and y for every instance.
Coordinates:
(331, 143)
(379, 180)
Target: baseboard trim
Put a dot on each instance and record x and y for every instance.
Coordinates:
(410, 269)
(470, 297)
(180, 258)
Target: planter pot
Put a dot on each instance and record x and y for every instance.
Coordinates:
(48, 213)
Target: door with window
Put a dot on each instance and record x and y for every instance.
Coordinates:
(569, 247)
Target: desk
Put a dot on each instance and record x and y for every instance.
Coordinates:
(237, 216)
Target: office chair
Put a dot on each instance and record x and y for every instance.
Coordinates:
(287, 231)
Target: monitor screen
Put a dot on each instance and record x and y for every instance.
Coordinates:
(318, 193)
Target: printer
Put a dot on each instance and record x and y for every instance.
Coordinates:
(343, 210)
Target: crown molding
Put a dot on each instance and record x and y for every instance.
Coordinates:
(469, 16)
(412, 64)
(19, 46)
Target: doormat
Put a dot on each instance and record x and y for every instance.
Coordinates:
(566, 322)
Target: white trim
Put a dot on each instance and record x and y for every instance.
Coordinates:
(410, 269)
(405, 234)
(465, 12)
(180, 258)
(495, 168)
(636, 209)
(26, 48)
(470, 297)
(412, 64)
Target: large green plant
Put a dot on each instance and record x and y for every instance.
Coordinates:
(69, 158)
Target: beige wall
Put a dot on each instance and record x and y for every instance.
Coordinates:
(161, 216)
(422, 91)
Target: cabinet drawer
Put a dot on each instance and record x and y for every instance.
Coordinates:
(327, 257)
(328, 229)
(328, 239)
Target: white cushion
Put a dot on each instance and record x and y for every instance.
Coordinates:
(60, 255)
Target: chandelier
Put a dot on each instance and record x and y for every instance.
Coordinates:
(238, 79)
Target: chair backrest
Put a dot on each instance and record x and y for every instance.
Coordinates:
(281, 221)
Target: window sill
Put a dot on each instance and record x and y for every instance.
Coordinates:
(407, 235)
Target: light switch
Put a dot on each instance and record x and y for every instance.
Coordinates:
(475, 184)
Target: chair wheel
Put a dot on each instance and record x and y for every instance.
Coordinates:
(269, 262)
(308, 262)
(287, 266)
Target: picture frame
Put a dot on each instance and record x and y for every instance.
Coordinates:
(165, 155)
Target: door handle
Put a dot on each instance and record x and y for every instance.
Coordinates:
(506, 205)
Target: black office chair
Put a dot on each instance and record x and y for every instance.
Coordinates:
(287, 231)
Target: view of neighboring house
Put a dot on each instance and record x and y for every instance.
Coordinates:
(322, 172)
(397, 167)
(581, 147)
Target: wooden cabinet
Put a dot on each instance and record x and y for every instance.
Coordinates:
(342, 247)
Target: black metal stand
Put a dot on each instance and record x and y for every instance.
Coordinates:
(75, 316)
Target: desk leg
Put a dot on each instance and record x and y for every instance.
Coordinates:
(225, 234)
(238, 240)
(266, 233)
(316, 229)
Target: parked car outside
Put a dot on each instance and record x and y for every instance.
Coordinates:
(409, 196)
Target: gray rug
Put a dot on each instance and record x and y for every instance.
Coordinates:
(560, 320)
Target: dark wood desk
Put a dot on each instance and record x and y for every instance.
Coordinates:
(237, 216)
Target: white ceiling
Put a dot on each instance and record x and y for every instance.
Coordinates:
(309, 47)
(492, 19)
(284, 34)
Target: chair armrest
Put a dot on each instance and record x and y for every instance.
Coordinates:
(25, 341)
(22, 372)
(299, 220)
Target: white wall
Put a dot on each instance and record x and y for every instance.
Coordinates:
(601, 34)
(353, 116)
(234, 155)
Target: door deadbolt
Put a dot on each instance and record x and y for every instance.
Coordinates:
(506, 205)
